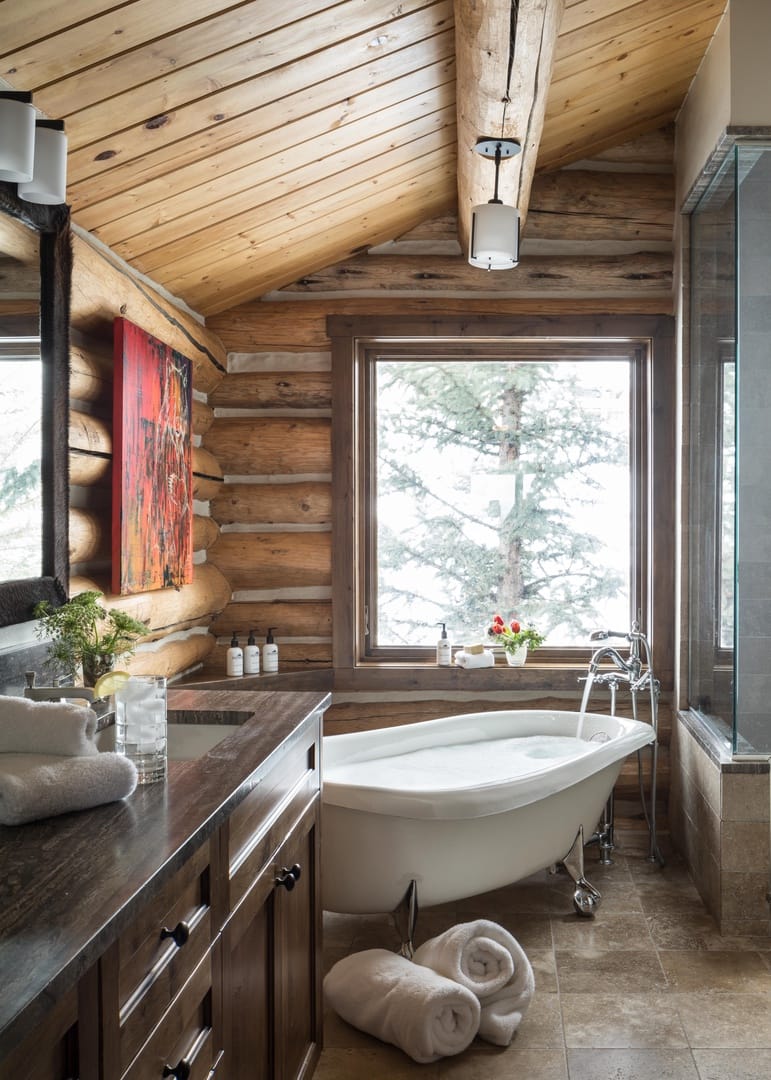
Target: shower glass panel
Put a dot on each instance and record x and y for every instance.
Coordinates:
(730, 452)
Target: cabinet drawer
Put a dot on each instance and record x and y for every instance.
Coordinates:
(156, 955)
(262, 820)
(186, 1043)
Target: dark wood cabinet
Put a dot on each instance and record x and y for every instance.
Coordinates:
(272, 938)
(271, 949)
(214, 971)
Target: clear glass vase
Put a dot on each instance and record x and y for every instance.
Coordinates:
(518, 657)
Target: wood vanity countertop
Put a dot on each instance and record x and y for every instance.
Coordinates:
(69, 885)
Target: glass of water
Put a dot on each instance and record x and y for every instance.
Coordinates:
(140, 725)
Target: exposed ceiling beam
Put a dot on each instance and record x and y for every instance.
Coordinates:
(504, 55)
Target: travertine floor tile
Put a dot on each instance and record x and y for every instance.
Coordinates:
(615, 971)
(606, 931)
(718, 1021)
(733, 1064)
(632, 1065)
(383, 1063)
(633, 1021)
(542, 1024)
(713, 970)
(504, 1064)
(694, 930)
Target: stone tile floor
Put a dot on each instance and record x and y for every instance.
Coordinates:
(647, 990)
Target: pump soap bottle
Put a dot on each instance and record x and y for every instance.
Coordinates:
(443, 648)
(235, 657)
(270, 652)
(251, 656)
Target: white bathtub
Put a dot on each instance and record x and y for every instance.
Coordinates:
(462, 804)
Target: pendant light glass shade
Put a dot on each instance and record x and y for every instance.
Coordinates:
(17, 136)
(49, 179)
(494, 236)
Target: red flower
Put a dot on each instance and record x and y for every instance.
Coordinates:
(497, 621)
(515, 626)
(497, 628)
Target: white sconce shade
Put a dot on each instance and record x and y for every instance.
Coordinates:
(494, 236)
(49, 179)
(17, 136)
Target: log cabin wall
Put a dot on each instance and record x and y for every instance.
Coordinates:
(598, 241)
(179, 619)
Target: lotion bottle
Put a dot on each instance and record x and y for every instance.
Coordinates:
(251, 656)
(235, 657)
(270, 652)
(443, 648)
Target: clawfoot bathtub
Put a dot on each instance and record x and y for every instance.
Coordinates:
(457, 806)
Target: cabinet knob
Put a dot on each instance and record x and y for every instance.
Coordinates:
(181, 1070)
(288, 876)
(179, 935)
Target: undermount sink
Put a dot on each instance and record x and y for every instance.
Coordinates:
(189, 734)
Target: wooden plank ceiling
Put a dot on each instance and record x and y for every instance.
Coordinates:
(228, 149)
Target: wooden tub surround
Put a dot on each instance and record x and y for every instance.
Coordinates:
(181, 926)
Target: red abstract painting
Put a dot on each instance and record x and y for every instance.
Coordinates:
(152, 479)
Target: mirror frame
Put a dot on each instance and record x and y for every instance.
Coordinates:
(52, 223)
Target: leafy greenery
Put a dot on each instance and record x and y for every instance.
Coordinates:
(82, 632)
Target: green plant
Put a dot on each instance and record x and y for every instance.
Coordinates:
(84, 633)
(511, 636)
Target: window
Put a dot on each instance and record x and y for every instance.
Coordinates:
(490, 473)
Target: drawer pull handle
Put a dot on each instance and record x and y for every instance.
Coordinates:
(181, 1070)
(179, 936)
(288, 876)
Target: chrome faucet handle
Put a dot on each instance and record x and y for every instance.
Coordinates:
(603, 635)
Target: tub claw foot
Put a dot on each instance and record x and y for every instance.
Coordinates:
(586, 899)
(405, 917)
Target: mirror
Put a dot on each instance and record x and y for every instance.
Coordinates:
(35, 268)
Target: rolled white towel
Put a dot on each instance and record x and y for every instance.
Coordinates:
(46, 727)
(403, 1003)
(478, 955)
(487, 959)
(34, 786)
(474, 660)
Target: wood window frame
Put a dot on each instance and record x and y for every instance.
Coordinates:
(653, 504)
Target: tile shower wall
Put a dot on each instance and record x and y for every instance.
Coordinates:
(719, 819)
(753, 580)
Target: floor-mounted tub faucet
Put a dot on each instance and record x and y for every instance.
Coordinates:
(635, 673)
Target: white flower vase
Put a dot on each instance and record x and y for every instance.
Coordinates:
(517, 659)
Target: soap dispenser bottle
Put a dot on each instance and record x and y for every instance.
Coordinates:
(235, 657)
(443, 648)
(251, 656)
(270, 652)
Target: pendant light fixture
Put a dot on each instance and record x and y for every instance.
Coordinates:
(17, 135)
(33, 152)
(494, 226)
(49, 176)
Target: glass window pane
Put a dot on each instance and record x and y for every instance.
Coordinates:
(502, 486)
(21, 503)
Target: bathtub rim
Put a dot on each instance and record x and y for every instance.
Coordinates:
(478, 799)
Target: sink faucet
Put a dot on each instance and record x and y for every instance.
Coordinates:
(54, 693)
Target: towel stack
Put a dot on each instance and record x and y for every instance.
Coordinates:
(49, 763)
(472, 979)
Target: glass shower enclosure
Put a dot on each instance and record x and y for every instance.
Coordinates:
(729, 439)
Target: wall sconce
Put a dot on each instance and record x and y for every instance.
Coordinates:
(495, 227)
(17, 136)
(33, 152)
(49, 175)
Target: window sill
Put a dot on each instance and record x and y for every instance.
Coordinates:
(414, 676)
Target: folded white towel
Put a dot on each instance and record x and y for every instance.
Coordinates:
(487, 959)
(34, 786)
(403, 1003)
(46, 727)
(474, 660)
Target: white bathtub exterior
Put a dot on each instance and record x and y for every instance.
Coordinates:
(472, 837)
